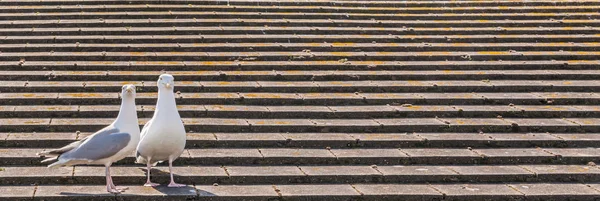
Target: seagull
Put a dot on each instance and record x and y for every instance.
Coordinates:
(108, 145)
(163, 137)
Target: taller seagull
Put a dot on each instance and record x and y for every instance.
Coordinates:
(163, 137)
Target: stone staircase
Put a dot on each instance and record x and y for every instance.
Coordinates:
(311, 99)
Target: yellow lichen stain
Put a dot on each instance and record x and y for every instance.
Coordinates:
(227, 95)
(378, 95)
(137, 53)
(230, 122)
(32, 122)
(84, 95)
(375, 136)
(341, 54)
(29, 95)
(491, 53)
(578, 169)
(339, 83)
(219, 107)
(586, 121)
(224, 83)
(415, 83)
(342, 44)
(413, 107)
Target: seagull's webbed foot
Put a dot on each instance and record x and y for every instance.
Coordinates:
(150, 184)
(122, 189)
(176, 185)
(113, 190)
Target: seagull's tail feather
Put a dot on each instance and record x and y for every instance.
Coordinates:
(50, 159)
(56, 164)
(62, 150)
(139, 159)
(63, 163)
(48, 153)
(142, 160)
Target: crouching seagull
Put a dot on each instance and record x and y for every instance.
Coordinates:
(106, 146)
(163, 137)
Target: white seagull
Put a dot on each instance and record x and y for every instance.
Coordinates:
(163, 137)
(106, 146)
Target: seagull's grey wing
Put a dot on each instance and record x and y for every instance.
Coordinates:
(100, 145)
(74, 145)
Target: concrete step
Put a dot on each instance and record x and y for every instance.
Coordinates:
(235, 175)
(255, 30)
(304, 38)
(324, 125)
(350, 156)
(532, 98)
(293, 15)
(366, 86)
(308, 75)
(277, 8)
(310, 111)
(299, 47)
(301, 55)
(392, 3)
(339, 65)
(293, 22)
(334, 140)
(459, 191)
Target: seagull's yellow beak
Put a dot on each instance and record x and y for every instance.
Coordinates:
(168, 85)
(129, 90)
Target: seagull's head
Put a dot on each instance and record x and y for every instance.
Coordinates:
(167, 81)
(128, 90)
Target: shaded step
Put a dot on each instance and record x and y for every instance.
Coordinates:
(377, 86)
(324, 125)
(534, 98)
(310, 111)
(336, 140)
(304, 47)
(379, 156)
(174, 66)
(293, 15)
(303, 38)
(225, 175)
(462, 191)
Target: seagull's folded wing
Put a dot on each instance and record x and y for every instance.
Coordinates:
(99, 146)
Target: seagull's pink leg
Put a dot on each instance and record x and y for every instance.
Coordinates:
(109, 185)
(173, 184)
(148, 183)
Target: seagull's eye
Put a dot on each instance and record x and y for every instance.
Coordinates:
(160, 78)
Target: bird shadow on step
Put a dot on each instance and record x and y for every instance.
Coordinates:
(159, 173)
(163, 177)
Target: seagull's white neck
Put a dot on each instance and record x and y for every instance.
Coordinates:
(127, 114)
(165, 103)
